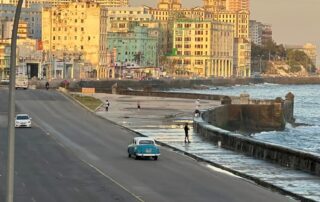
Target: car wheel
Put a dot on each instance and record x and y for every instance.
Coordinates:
(137, 157)
(155, 158)
(129, 155)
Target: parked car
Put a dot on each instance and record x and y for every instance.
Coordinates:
(23, 120)
(143, 147)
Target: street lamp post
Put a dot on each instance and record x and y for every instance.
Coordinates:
(11, 124)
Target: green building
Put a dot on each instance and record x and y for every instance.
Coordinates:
(138, 46)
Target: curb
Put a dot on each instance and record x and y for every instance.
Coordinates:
(200, 159)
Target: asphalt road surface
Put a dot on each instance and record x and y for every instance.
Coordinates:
(72, 155)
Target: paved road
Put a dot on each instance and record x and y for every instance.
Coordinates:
(103, 146)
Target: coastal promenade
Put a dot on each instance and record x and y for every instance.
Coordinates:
(163, 118)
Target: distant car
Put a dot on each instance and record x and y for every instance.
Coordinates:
(143, 147)
(23, 120)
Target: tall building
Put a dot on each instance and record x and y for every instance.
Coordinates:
(169, 4)
(266, 33)
(30, 15)
(215, 5)
(255, 33)
(237, 5)
(77, 29)
(240, 21)
(166, 17)
(203, 48)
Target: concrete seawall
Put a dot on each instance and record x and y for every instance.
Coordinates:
(251, 115)
(163, 84)
(266, 151)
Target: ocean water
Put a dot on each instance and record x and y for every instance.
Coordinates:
(306, 110)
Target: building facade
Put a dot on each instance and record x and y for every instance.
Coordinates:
(255, 32)
(138, 47)
(169, 4)
(242, 58)
(30, 15)
(77, 29)
(237, 5)
(29, 3)
(266, 34)
(4, 60)
(203, 48)
(215, 5)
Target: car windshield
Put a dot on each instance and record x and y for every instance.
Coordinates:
(146, 142)
(22, 117)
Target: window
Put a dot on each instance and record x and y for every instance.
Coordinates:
(146, 142)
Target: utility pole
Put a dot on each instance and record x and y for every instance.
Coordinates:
(11, 107)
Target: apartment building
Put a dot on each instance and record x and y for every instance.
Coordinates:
(29, 3)
(215, 5)
(139, 46)
(203, 48)
(237, 5)
(77, 29)
(169, 4)
(30, 15)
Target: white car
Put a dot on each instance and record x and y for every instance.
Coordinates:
(23, 120)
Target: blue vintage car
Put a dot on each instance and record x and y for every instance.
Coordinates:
(143, 147)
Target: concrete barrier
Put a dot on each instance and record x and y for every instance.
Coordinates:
(273, 153)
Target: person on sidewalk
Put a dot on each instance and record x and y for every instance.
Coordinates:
(138, 106)
(107, 105)
(186, 132)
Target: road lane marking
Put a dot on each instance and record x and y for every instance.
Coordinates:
(82, 160)
(114, 181)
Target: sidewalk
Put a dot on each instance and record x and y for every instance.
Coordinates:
(154, 110)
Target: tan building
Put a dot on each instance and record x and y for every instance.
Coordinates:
(27, 3)
(166, 17)
(113, 3)
(203, 48)
(242, 46)
(240, 21)
(237, 5)
(215, 5)
(242, 57)
(77, 29)
(169, 4)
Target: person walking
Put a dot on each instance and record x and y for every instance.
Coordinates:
(186, 132)
(47, 85)
(107, 105)
(138, 105)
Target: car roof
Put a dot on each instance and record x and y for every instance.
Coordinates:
(143, 138)
(22, 115)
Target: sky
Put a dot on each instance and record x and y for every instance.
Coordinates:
(294, 22)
